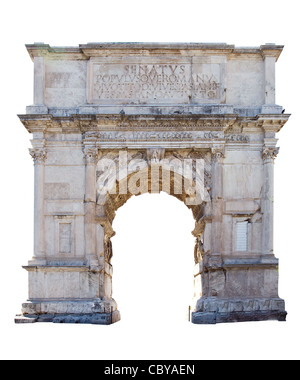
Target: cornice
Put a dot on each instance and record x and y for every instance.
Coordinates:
(272, 123)
(96, 49)
(49, 52)
(36, 123)
(271, 50)
(81, 123)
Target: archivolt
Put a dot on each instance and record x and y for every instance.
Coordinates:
(181, 176)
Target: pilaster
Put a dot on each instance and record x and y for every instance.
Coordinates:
(218, 154)
(91, 158)
(269, 79)
(39, 81)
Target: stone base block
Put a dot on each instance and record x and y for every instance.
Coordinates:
(212, 310)
(237, 316)
(71, 311)
(22, 319)
(95, 319)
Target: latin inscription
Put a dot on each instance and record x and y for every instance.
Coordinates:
(154, 82)
(57, 79)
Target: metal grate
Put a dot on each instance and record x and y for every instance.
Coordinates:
(241, 236)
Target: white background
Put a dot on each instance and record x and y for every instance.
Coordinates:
(153, 248)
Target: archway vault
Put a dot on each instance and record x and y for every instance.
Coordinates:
(197, 121)
(153, 259)
(185, 174)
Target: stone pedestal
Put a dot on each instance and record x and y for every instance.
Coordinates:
(213, 310)
(68, 294)
(73, 311)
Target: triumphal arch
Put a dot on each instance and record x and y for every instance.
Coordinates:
(113, 120)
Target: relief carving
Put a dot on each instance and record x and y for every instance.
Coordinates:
(217, 153)
(198, 249)
(155, 155)
(108, 252)
(212, 135)
(237, 138)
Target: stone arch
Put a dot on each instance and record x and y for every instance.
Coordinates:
(73, 129)
(170, 174)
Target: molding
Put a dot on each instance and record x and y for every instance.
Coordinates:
(85, 51)
(230, 124)
(62, 268)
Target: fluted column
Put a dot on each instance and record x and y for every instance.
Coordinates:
(39, 155)
(91, 158)
(268, 155)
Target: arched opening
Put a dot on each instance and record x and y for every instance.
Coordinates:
(153, 259)
(157, 274)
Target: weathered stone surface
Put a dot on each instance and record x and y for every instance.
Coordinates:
(214, 310)
(26, 319)
(197, 121)
(214, 317)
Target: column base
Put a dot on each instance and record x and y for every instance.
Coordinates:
(69, 311)
(212, 310)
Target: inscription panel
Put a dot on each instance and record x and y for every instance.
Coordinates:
(155, 82)
(64, 235)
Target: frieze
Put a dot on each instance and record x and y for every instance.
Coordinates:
(212, 135)
(176, 123)
(152, 135)
(139, 135)
(237, 138)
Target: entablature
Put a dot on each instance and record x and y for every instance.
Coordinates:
(118, 127)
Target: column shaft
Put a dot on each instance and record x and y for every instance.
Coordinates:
(38, 155)
(217, 201)
(269, 155)
(91, 155)
(38, 81)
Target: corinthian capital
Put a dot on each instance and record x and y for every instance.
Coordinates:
(90, 155)
(38, 155)
(269, 153)
(217, 153)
